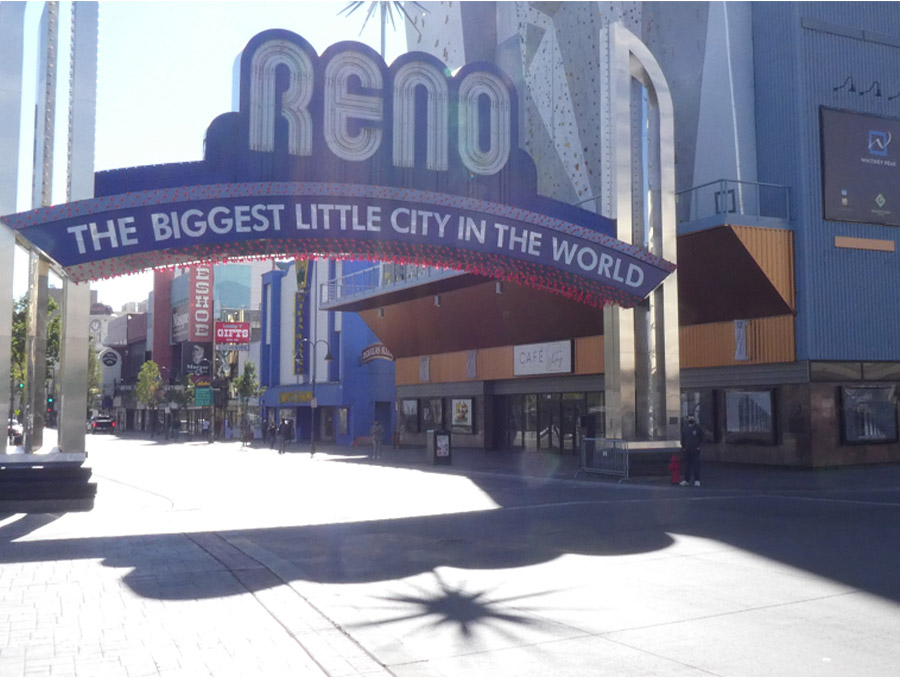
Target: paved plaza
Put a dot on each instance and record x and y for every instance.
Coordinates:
(212, 559)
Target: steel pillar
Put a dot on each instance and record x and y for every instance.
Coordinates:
(75, 339)
(12, 28)
(641, 354)
(36, 352)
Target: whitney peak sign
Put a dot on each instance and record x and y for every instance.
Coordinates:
(340, 156)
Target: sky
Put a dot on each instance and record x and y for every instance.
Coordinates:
(165, 71)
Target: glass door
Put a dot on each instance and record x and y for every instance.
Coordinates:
(573, 409)
(549, 422)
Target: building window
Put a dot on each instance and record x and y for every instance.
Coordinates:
(750, 417)
(701, 404)
(409, 413)
(869, 414)
(432, 414)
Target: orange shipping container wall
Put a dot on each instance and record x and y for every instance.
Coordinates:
(768, 340)
(492, 364)
(773, 250)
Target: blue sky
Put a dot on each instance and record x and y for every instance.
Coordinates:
(165, 72)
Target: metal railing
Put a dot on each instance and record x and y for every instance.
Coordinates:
(726, 196)
(380, 278)
(607, 456)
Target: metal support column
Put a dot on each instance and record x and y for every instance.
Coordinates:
(12, 26)
(36, 352)
(41, 196)
(75, 338)
(641, 354)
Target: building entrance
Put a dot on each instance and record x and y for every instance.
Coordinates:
(553, 422)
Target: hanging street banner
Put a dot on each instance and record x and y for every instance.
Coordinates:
(341, 156)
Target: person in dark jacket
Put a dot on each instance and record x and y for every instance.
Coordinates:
(285, 435)
(691, 438)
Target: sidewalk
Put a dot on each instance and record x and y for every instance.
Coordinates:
(248, 563)
(549, 465)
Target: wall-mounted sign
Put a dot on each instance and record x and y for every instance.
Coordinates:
(287, 397)
(200, 299)
(340, 155)
(375, 352)
(233, 336)
(860, 173)
(110, 358)
(301, 314)
(203, 397)
(553, 357)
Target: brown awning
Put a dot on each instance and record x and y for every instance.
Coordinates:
(478, 317)
(724, 273)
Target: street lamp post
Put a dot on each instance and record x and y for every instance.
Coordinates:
(312, 379)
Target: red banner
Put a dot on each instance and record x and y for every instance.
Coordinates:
(200, 300)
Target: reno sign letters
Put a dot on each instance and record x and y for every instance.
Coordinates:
(340, 156)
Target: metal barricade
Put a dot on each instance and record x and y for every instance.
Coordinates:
(607, 456)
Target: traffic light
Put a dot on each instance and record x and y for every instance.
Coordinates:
(49, 404)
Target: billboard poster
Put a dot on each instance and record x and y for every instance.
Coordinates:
(180, 315)
(196, 359)
(860, 175)
(461, 415)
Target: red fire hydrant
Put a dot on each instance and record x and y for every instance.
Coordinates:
(675, 468)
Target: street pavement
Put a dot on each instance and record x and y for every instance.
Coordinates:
(214, 559)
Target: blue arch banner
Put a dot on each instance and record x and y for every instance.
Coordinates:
(341, 156)
(109, 236)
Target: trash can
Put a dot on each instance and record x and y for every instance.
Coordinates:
(439, 447)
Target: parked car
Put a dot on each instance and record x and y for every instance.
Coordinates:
(102, 423)
(14, 432)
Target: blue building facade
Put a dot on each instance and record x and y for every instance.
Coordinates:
(324, 371)
(788, 207)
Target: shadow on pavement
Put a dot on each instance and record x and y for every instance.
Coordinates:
(849, 539)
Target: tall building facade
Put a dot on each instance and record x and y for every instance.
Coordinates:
(323, 371)
(787, 207)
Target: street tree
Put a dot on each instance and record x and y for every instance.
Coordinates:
(246, 386)
(19, 331)
(95, 378)
(148, 389)
(181, 395)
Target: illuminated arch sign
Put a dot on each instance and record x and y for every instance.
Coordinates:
(341, 156)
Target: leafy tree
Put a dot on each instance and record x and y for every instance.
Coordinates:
(95, 377)
(246, 386)
(182, 397)
(20, 319)
(148, 389)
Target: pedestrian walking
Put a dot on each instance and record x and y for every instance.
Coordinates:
(272, 434)
(691, 439)
(285, 434)
(377, 438)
